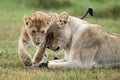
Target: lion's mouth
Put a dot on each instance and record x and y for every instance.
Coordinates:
(36, 43)
(58, 48)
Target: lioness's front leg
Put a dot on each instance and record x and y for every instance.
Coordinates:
(55, 65)
(22, 50)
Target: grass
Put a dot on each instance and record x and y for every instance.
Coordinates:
(11, 67)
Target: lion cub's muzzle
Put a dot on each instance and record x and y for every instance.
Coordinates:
(54, 49)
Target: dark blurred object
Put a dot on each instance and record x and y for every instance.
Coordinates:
(89, 11)
(43, 64)
(56, 58)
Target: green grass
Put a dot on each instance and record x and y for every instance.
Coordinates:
(11, 68)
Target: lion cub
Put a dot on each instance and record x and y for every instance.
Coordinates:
(34, 30)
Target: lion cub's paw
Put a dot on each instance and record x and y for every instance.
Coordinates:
(27, 61)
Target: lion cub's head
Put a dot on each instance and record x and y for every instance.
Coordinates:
(59, 33)
(36, 26)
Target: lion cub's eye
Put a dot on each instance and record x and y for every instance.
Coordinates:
(26, 23)
(33, 32)
(42, 32)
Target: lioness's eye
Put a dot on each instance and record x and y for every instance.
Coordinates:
(33, 32)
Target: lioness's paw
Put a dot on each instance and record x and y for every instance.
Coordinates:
(43, 64)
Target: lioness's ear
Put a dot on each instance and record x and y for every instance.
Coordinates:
(63, 19)
(26, 20)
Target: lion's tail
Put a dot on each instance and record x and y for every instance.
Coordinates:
(89, 11)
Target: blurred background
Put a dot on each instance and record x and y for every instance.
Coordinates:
(102, 8)
(106, 13)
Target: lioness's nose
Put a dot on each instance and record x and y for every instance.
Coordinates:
(48, 47)
(37, 43)
(57, 48)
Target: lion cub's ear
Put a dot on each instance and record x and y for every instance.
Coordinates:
(49, 21)
(63, 19)
(26, 20)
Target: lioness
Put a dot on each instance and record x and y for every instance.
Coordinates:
(86, 45)
(34, 30)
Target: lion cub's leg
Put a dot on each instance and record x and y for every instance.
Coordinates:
(22, 51)
(40, 54)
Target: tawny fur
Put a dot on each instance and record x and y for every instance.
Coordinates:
(86, 45)
(34, 30)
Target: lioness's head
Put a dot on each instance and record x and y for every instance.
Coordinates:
(36, 26)
(59, 34)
